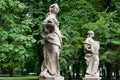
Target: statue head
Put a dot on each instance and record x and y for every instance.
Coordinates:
(54, 8)
(90, 34)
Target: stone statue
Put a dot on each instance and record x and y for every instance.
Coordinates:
(52, 44)
(91, 50)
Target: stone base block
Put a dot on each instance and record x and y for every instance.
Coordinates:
(52, 78)
(92, 78)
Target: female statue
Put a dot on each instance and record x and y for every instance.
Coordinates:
(52, 43)
(91, 50)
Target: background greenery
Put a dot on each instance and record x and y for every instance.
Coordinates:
(19, 78)
(21, 42)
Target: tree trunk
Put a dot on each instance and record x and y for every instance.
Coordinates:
(38, 37)
(109, 71)
(11, 72)
(117, 71)
(103, 71)
(39, 49)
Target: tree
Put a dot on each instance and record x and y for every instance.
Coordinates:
(15, 34)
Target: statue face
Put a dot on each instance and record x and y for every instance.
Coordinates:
(54, 8)
(91, 33)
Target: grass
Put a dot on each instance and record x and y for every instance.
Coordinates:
(20, 78)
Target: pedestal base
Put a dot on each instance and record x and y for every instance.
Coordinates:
(92, 78)
(52, 78)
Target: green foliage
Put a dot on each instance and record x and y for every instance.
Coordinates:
(77, 17)
(73, 16)
(16, 35)
(21, 26)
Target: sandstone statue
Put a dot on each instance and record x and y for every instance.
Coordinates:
(91, 50)
(52, 43)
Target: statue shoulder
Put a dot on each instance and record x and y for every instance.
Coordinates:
(88, 41)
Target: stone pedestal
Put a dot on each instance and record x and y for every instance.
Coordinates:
(52, 78)
(92, 78)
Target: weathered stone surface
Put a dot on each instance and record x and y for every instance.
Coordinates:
(91, 50)
(53, 39)
(52, 78)
(92, 78)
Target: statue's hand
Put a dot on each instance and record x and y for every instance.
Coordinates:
(47, 37)
(88, 55)
(64, 38)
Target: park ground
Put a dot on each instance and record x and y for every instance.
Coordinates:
(20, 78)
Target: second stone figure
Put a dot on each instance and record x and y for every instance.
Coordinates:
(91, 50)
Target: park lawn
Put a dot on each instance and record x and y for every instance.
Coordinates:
(20, 78)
